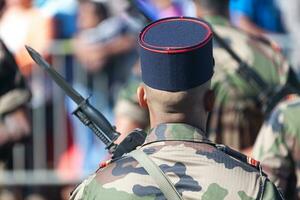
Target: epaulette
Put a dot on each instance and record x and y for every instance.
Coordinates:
(239, 156)
(106, 163)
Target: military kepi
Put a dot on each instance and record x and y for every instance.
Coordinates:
(176, 53)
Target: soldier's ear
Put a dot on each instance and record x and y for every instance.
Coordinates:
(142, 98)
(209, 100)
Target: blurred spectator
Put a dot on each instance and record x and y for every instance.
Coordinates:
(258, 17)
(105, 47)
(23, 24)
(14, 123)
(64, 14)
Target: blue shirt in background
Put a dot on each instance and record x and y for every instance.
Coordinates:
(264, 13)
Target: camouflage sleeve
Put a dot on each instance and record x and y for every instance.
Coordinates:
(271, 149)
(79, 192)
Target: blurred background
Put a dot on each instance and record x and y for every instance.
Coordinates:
(44, 150)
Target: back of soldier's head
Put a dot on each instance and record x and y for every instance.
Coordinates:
(177, 63)
(178, 102)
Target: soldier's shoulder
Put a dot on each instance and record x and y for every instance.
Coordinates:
(118, 180)
(115, 181)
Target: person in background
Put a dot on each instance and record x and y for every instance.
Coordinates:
(14, 119)
(63, 13)
(22, 24)
(257, 17)
(14, 95)
(278, 143)
(105, 48)
(237, 115)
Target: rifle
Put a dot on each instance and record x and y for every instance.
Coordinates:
(90, 116)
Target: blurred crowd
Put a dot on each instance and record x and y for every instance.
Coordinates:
(97, 40)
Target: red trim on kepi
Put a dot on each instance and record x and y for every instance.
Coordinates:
(175, 49)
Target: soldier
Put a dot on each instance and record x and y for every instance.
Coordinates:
(278, 147)
(278, 142)
(177, 65)
(237, 115)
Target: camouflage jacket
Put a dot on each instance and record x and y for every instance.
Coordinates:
(196, 168)
(278, 147)
(237, 117)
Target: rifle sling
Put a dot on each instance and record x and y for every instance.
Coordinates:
(161, 179)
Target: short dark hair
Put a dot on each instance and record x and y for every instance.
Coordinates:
(217, 6)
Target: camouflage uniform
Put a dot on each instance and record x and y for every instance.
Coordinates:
(278, 147)
(237, 117)
(197, 169)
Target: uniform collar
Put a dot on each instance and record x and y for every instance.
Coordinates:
(175, 131)
(217, 20)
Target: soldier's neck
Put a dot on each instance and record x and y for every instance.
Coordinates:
(198, 121)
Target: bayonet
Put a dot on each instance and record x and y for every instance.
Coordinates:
(85, 112)
(90, 116)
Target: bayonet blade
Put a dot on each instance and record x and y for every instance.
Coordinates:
(39, 60)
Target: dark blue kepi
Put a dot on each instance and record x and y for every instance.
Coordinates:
(176, 53)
